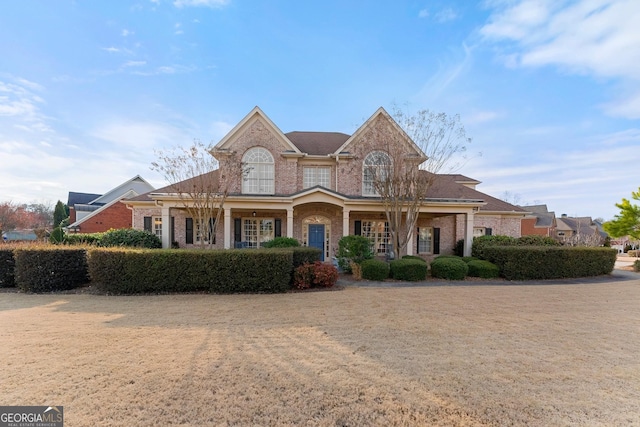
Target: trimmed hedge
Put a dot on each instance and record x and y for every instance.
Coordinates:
(132, 271)
(281, 242)
(636, 266)
(374, 269)
(131, 238)
(408, 269)
(7, 268)
(83, 238)
(304, 255)
(479, 243)
(483, 269)
(50, 269)
(550, 262)
(419, 258)
(449, 267)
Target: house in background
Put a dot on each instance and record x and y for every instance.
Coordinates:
(19, 236)
(93, 213)
(579, 230)
(316, 188)
(539, 221)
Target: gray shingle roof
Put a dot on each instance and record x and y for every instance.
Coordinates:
(317, 143)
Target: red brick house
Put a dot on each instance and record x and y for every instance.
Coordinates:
(313, 186)
(93, 213)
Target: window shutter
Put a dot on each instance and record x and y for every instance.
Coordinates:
(487, 231)
(237, 230)
(357, 225)
(189, 230)
(418, 241)
(147, 223)
(212, 234)
(278, 227)
(436, 241)
(172, 232)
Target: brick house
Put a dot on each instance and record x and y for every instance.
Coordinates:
(539, 221)
(313, 186)
(94, 213)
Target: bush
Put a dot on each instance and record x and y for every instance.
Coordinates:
(374, 269)
(450, 268)
(459, 249)
(353, 248)
(468, 259)
(409, 269)
(56, 236)
(50, 269)
(479, 243)
(636, 266)
(7, 268)
(83, 238)
(131, 271)
(484, 269)
(318, 274)
(550, 262)
(537, 241)
(130, 237)
(633, 253)
(304, 255)
(281, 242)
(414, 257)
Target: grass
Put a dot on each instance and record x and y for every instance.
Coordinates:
(463, 355)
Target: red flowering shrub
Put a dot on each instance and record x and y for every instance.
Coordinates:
(317, 275)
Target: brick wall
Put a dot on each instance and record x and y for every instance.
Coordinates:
(115, 216)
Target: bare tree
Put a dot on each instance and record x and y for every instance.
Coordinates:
(411, 157)
(195, 179)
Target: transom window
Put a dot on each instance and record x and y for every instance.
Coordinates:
(378, 234)
(257, 231)
(260, 175)
(375, 168)
(316, 175)
(425, 240)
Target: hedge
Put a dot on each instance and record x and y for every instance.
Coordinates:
(550, 262)
(408, 269)
(50, 269)
(374, 269)
(483, 269)
(132, 271)
(7, 267)
(449, 267)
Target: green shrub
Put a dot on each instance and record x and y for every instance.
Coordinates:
(129, 237)
(7, 268)
(450, 268)
(484, 269)
(131, 271)
(414, 257)
(83, 238)
(550, 262)
(281, 242)
(538, 241)
(56, 236)
(353, 248)
(479, 243)
(633, 253)
(304, 255)
(409, 269)
(318, 274)
(636, 266)
(50, 269)
(374, 269)
(459, 249)
(468, 259)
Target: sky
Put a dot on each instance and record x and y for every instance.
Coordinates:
(548, 90)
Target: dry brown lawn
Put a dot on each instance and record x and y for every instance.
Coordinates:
(546, 355)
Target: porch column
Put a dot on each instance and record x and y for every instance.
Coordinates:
(289, 222)
(410, 244)
(345, 221)
(468, 233)
(227, 228)
(166, 227)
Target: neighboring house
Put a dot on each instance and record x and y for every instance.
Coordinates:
(93, 213)
(312, 186)
(19, 236)
(539, 221)
(579, 230)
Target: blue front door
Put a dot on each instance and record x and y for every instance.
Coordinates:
(316, 238)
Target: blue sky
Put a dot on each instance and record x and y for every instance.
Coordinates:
(548, 90)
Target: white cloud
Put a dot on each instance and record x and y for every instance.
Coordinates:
(478, 117)
(424, 13)
(111, 49)
(126, 33)
(440, 16)
(21, 105)
(599, 38)
(199, 3)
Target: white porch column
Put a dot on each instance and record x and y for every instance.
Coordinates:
(468, 233)
(410, 244)
(166, 227)
(345, 221)
(227, 228)
(289, 222)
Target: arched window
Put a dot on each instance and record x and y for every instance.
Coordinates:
(376, 167)
(260, 176)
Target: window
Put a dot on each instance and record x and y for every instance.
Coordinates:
(376, 168)
(257, 231)
(425, 240)
(157, 226)
(316, 175)
(481, 231)
(200, 232)
(378, 233)
(260, 175)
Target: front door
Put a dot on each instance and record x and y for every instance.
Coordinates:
(316, 237)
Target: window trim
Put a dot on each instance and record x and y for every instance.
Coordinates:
(315, 180)
(371, 161)
(258, 161)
